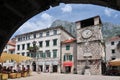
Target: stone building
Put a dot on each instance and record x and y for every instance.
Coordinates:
(90, 49)
(47, 54)
(10, 46)
(10, 49)
(111, 48)
(69, 58)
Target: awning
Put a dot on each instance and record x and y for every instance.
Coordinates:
(115, 62)
(68, 63)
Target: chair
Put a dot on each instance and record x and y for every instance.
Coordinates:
(4, 76)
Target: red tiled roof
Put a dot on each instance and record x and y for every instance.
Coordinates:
(114, 38)
(12, 49)
(11, 43)
(68, 41)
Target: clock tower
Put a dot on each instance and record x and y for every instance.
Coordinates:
(90, 48)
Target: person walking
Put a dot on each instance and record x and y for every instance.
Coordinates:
(39, 70)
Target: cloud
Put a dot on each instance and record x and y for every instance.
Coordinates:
(38, 22)
(67, 8)
(108, 12)
(46, 16)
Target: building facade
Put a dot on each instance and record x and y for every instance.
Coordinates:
(111, 48)
(69, 58)
(10, 49)
(10, 46)
(90, 49)
(48, 51)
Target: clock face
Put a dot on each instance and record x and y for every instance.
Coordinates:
(86, 33)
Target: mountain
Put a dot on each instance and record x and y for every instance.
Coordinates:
(69, 26)
(108, 29)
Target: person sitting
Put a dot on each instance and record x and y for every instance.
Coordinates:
(23, 68)
(4, 70)
(28, 70)
(1, 68)
(8, 70)
(18, 69)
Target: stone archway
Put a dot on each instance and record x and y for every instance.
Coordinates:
(15, 12)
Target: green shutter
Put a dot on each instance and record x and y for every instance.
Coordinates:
(64, 58)
(50, 54)
(67, 47)
(70, 57)
(44, 55)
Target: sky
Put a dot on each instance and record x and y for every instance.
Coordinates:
(68, 12)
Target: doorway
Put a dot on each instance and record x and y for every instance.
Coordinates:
(41, 68)
(47, 68)
(55, 68)
(34, 66)
(68, 69)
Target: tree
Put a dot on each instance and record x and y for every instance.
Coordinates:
(33, 50)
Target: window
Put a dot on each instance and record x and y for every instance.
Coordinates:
(27, 37)
(41, 34)
(40, 43)
(23, 38)
(34, 43)
(67, 47)
(18, 47)
(113, 51)
(34, 35)
(44, 55)
(23, 54)
(47, 53)
(23, 46)
(68, 57)
(54, 53)
(28, 54)
(11, 52)
(6, 47)
(28, 45)
(41, 54)
(47, 43)
(47, 33)
(19, 39)
(113, 58)
(112, 43)
(54, 42)
(54, 32)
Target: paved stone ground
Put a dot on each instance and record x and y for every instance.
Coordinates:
(57, 76)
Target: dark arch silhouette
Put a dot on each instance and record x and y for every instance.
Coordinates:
(13, 13)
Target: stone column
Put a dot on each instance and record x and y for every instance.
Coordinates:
(59, 68)
(44, 67)
(51, 68)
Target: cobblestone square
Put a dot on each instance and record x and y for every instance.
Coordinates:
(57, 76)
